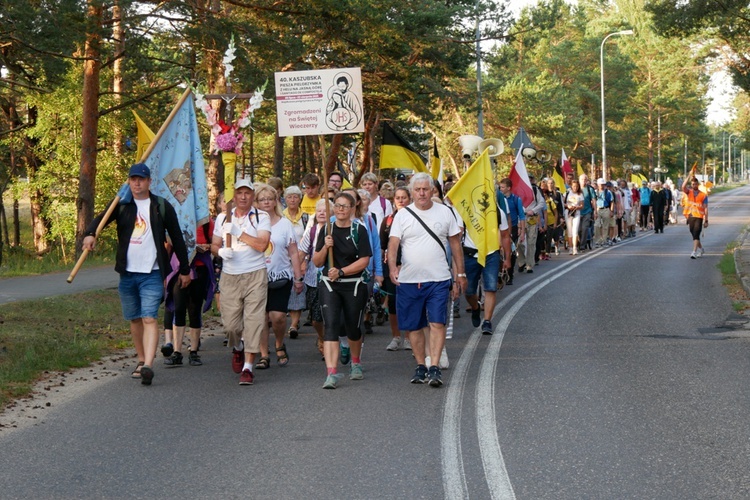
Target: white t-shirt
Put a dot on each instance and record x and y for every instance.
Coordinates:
(503, 226)
(245, 258)
(627, 199)
(376, 208)
(422, 260)
(142, 249)
(277, 255)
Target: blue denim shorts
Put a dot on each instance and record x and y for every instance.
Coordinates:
(489, 273)
(419, 304)
(141, 294)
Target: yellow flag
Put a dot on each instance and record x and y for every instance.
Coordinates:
(559, 181)
(145, 136)
(473, 197)
(635, 179)
(397, 153)
(580, 170)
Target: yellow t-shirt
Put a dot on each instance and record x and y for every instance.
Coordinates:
(308, 205)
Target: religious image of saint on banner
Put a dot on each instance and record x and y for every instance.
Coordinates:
(343, 112)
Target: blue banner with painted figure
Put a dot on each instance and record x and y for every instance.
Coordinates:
(178, 173)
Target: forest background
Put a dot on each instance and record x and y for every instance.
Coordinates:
(72, 72)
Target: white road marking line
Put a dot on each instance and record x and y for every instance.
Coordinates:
(495, 471)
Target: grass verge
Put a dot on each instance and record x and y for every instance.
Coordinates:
(56, 334)
(730, 281)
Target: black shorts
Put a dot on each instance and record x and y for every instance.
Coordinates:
(278, 298)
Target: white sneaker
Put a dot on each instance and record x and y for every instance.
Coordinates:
(395, 344)
(693, 256)
(443, 363)
(407, 344)
(701, 252)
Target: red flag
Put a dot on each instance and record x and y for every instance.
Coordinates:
(520, 179)
(566, 167)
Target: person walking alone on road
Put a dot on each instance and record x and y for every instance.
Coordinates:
(696, 211)
(143, 262)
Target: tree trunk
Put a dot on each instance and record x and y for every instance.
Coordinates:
(294, 176)
(90, 122)
(118, 34)
(313, 165)
(38, 198)
(371, 127)
(333, 154)
(278, 155)
(16, 224)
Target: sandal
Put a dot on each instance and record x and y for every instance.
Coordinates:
(137, 372)
(293, 332)
(282, 359)
(263, 363)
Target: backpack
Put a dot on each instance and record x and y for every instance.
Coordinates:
(354, 235)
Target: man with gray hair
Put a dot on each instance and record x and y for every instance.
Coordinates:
(423, 230)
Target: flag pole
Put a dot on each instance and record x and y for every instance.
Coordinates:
(99, 229)
(166, 123)
(322, 141)
(114, 203)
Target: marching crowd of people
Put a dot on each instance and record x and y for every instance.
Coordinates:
(351, 257)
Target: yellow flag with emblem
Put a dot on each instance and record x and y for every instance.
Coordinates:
(473, 197)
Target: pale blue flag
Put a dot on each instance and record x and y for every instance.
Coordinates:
(178, 173)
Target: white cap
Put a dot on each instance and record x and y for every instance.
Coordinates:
(601, 180)
(246, 183)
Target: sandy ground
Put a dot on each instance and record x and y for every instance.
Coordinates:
(55, 389)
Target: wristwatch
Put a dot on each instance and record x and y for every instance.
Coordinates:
(341, 273)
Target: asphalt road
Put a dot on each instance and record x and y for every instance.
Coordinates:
(614, 374)
(49, 285)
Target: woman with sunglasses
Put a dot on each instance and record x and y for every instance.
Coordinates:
(341, 292)
(284, 273)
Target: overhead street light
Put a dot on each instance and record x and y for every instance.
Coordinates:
(604, 125)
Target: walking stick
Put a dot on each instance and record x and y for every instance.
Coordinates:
(325, 195)
(99, 228)
(230, 205)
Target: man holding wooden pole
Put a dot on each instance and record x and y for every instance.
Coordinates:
(142, 261)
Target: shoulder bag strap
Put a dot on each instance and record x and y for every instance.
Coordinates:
(429, 231)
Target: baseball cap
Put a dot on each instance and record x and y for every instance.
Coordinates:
(140, 170)
(601, 180)
(244, 183)
(401, 176)
(644, 182)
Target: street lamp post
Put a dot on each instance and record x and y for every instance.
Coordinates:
(604, 125)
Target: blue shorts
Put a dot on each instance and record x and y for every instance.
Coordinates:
(419, 304)
(141, 294)
(489, 273)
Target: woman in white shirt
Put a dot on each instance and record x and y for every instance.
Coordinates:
(573, 205)
(380, 208)
(284, 273)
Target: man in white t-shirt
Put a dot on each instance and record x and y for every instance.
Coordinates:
(241, 243)
(424, 278)
(142, 261)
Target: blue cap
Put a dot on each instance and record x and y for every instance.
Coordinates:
(140, 170)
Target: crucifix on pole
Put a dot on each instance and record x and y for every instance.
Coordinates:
(229, 97)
